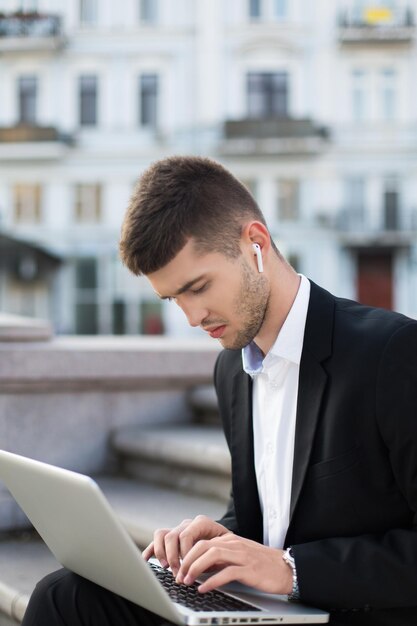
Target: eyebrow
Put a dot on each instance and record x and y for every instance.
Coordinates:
(184, 288)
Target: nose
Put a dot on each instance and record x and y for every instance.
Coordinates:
(194, 314)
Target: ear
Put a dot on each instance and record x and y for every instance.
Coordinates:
(256, 232)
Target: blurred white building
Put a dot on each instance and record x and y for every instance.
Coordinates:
(311, 104)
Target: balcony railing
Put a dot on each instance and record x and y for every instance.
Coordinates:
(276, 135)
(30, 30)
(25, 141)
(377, 25)
(26, 133)
(391, 226)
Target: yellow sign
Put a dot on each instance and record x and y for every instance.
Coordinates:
(377, 15)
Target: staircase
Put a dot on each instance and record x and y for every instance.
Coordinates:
(165, 474)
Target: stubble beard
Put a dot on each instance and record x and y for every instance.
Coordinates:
(250, 306)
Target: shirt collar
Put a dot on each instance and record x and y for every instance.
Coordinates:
(289, 342)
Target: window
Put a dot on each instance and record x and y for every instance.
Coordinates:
(148, 95)
(29, 6)
(88, 12)
(88, 100)
(87, 204)
(267, 94)
(288, 200)
(358, 10)
(388, 94)
(375, 12)
(267, 9)
(280, 8)
(151, 317)
(28, 87)
(355, 201)
(27, 204)
(391, 204)
(86, 306)
(359, 80)
(148, 11)
(86, 273)
(119, 317)
(86, 318)
(254, 9)
(355, 194)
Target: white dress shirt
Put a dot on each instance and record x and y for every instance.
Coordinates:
(274, 399)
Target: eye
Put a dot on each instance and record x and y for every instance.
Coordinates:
(200, 289)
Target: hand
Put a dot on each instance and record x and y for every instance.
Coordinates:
(171, 544)
(239, 559)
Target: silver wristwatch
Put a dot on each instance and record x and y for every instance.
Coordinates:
(289, 559)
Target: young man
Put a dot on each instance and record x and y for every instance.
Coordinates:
(318, 399)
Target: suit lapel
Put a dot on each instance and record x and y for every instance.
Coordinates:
(312, 383)
(245, 489)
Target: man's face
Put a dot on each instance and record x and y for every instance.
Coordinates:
(228, 298)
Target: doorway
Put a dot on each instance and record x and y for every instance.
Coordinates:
(375, 278)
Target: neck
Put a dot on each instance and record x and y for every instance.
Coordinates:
(285, 283)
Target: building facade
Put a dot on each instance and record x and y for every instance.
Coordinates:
(310, 104)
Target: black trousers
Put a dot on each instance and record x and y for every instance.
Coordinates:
(65, 599)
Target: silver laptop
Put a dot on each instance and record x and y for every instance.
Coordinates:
(75, 520)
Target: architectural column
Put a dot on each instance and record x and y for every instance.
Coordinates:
(208, 71)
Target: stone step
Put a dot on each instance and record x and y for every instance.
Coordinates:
(141, 507)
(191, 458)
(203, 402)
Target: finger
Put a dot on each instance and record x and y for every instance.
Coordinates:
(201, 527)
(188, 538)
(148, 552)
(172, 551)
(172, 546)
(159, 546)
(228, 540)
(226, 575)
(215, 556)
(194, 553)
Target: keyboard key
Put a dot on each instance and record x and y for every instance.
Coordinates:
(189, 596)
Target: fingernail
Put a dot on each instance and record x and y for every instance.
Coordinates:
(179, 579)
(163, 563)
(188, 580)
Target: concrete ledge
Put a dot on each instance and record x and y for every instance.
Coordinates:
(18, 328)
(203, 402)
(203, 398)
(106, 363)
(193, 447)
(191, 458)
(23, 561)
(12, 603)
(143, 508)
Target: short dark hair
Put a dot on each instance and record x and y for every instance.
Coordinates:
(181, 197)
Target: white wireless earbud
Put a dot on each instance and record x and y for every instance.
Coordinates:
(258, 254)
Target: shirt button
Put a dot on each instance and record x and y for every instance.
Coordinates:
(269, 448)
(273, 514)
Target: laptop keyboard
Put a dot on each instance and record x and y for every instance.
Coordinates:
(190, 597)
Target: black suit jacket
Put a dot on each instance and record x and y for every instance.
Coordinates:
(354, 489)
